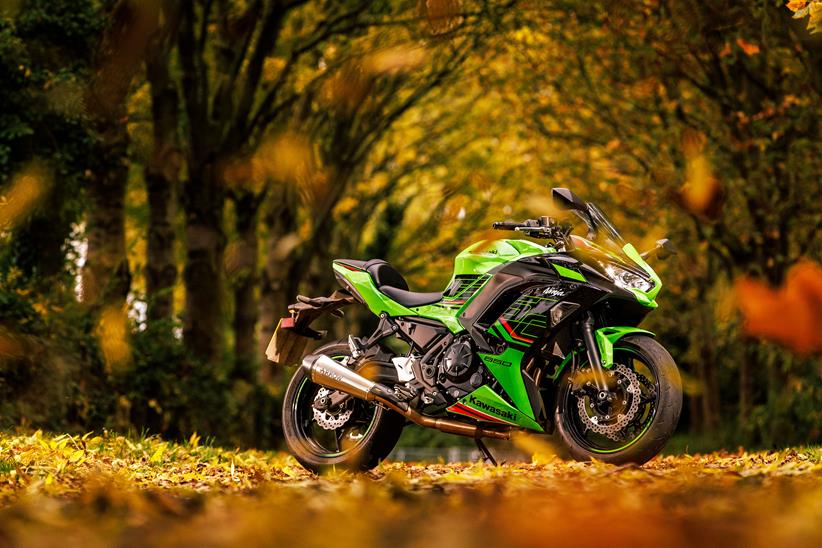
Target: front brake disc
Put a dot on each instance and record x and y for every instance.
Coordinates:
(598, 423)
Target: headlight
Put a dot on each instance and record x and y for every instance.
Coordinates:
(627, 279)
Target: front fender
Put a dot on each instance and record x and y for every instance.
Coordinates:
(606, 337)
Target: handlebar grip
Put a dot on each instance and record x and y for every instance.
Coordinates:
(505, 225)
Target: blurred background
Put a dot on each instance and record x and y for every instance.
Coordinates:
(174, 173)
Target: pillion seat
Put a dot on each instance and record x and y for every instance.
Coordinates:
(392, 284)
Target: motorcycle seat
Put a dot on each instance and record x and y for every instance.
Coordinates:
(392, 284)
(410, 298)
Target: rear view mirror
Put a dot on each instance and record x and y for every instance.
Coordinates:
(567, 200)
(664, 248)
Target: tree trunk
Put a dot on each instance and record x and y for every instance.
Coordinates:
(161, 175)
(277, 290)
(245, 279)
(106, 279)
(203, 201)
(746, 384)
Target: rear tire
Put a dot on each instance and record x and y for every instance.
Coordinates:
(661, 424)
(379, 434)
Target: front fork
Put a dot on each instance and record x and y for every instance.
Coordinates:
(593, 353)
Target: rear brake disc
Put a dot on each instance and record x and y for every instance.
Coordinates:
(326, 419)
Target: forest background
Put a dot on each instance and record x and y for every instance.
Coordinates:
(174, 173)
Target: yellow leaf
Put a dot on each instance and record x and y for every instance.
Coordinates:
(158, 454)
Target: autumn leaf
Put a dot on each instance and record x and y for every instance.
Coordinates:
(749, 48)
(112, 334)
(22, 195)
(791, 314)
(701, 191)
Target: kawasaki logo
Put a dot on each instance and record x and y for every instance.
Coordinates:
(502, 413)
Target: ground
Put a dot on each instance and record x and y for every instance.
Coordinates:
(108, 489)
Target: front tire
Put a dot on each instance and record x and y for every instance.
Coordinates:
(651, 426)
(366, 438)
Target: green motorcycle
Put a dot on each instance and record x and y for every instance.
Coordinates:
(525, 337)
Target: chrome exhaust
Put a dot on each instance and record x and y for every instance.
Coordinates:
(326, 372)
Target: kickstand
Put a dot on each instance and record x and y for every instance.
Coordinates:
(485, 452)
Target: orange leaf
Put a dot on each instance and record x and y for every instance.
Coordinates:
(749, 48)
(790, 315)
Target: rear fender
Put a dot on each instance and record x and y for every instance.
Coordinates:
(289, 340)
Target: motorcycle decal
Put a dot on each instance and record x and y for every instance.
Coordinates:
(524, 322)
(513, 334)
(568, 273)
(468, 412)
(461, 290)
(506, 368)
(485, 404)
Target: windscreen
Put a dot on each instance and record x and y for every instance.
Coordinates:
(603, 224)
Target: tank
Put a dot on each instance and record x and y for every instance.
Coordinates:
(483, 256)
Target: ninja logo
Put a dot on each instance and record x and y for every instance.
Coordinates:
(554, 291)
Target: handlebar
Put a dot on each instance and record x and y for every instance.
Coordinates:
(506, 225)
(544, 227)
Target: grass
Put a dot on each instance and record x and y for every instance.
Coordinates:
(99, 490)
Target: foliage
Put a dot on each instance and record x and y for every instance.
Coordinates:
(44, 57)
(99, 489)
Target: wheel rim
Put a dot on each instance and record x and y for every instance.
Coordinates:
(331, 443)
(649, 395)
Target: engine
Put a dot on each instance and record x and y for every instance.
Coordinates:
(458, 369)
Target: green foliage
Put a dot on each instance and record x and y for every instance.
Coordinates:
(45, 53)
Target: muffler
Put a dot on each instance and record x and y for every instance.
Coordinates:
(326, 372)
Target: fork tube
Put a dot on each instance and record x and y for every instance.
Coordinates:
(593, 352)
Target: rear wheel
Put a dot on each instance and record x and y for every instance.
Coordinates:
(632, 421)
(355, 436)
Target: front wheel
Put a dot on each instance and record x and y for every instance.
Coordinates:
(634, 418)
(355, 436)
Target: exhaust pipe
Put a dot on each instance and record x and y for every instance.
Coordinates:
(326, 372)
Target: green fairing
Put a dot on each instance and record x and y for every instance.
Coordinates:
(448, 316)
(568, 273)
(646, 298)
(374, 299)
(493, 402)
(608, 336)
(483, 256)
(469, 262)
(507, 369)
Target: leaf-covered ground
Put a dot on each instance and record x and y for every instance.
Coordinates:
(110, 490)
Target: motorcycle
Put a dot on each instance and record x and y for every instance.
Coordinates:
(527, 336)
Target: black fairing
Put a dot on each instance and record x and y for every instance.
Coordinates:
(528, 289)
